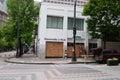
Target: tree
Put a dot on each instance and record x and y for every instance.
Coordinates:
(26, 13)
(5, 39)
(104, 21)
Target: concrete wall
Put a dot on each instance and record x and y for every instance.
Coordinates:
(7, 54)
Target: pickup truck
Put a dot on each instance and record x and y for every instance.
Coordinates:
(105, 54)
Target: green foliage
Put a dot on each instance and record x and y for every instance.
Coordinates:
(7, 37)
(27, 13)
(114, 58)
(22, 13)
(104, 21)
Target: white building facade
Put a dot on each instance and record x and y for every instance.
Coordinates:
(55, 30)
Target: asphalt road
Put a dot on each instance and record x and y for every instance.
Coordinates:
(11, 71)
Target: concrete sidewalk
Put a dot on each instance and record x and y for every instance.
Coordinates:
(32, 59)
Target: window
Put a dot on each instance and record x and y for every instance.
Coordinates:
(54, 22)
(79, 24)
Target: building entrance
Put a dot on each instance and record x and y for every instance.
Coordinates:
(54, 49)
(79, 49)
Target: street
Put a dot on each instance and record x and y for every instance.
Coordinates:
(12, 71)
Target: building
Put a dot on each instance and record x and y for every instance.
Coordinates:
(1, 4)
(4, 7)
(55, 30)
(3, 15)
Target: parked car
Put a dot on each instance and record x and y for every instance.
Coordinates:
(106, 54)
(96, 51)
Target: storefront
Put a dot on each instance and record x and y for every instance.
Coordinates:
(55, 31)
(54, 49)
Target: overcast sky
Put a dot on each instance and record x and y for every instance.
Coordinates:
(37, 0)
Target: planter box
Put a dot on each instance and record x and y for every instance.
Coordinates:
(112, 62)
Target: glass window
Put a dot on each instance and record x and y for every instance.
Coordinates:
(60, 23)
(79, 24)
(54, 22)
(70, 23)
(49, 22)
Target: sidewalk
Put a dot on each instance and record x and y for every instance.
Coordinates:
(31, 59)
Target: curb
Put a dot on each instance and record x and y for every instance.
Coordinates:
(45, 63)
(81, 62)
(25, 62)
(29, 63)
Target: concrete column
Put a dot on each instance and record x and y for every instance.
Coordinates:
(42, 32)
(65, 30)
(41, 51)
(86, 36)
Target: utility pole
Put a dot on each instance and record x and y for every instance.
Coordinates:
(74, 34)
(19, 49)
(18, 38)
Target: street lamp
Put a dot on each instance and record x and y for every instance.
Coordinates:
(74, 34)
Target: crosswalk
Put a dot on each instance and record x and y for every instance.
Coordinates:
(21, 76)
(10, 71)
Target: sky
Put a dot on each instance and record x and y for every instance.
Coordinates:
(38, 0)
(4, 5)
